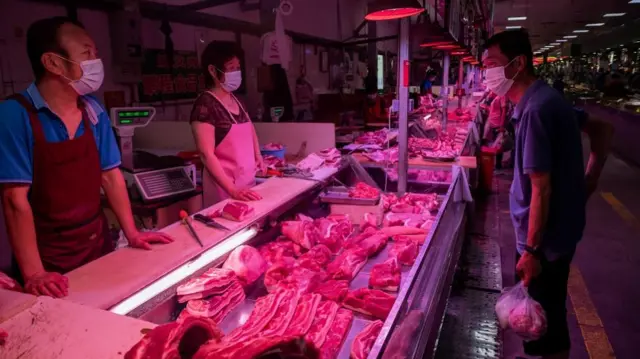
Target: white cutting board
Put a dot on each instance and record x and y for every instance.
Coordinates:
(12, 303)
(56, 329)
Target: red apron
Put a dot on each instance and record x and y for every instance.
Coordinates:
(71, 229)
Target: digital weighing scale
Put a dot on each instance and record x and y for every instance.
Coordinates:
(154, 180)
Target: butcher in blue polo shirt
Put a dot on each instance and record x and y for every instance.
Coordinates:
(57, 151)
(550, 184)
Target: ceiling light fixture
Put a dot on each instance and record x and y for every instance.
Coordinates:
(555, 44)
(595, 24)
(570, 36)
(634, 2)
(513, 27)
(393, 9)
(580, 31)
(561, 40)
(517, 18)
(614, 14)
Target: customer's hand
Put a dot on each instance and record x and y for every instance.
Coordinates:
(527, 268)
(51, 284)
(245, 195)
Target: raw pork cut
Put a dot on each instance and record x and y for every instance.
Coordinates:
(370, 220)
(175, 340)
(247, 263)
(212, 278)
(304, 314)
(9, 283)
(386, 275)
(347, 264)
(325, 314)
(374, 243)
(316, 258)
(281, 247)
(334, 230)
(363, 190)
(262, 313)
(234, 211)
(217, 307)
(353, 241)
(334, 290)
(278, 271)
(393, 219)
(273, 162)
(418, 239)
(302, 280)
(283, 315)
(272, 146)
(304, 233)
(363, 342)
(388, 199)
(370, 301)
(406, 252)
(259, 347)
(337, 333)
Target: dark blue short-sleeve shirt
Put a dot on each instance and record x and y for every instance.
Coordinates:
(548, 140)
(16, 135)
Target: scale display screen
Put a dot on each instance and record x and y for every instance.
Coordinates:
(129, 117)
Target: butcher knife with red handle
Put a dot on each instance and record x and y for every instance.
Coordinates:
(186, 219)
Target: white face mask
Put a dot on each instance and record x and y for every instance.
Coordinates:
(497, 81)
(232, 80)
(92, 76)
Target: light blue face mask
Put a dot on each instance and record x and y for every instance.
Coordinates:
(232, 80)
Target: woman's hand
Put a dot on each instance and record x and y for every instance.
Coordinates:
(245, 195)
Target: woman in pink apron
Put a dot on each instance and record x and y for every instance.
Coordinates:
(224, 134)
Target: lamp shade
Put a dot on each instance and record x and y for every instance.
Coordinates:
(393, 9)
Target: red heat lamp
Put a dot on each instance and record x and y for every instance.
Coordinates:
(458, 53)
(447, 47)
(381, 10)
(436, 43)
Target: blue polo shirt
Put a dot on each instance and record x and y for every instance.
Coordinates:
(16, 135)
(548, 140)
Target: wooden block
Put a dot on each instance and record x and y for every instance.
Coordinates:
(53, 328)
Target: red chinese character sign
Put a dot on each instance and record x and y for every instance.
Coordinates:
(161, 83)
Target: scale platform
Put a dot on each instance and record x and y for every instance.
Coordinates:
(163, 183)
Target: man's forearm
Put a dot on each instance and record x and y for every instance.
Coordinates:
(600, 137)
(115, 188)
(22, 234)
(538, 209)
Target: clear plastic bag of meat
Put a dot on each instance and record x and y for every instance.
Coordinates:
(519, 312)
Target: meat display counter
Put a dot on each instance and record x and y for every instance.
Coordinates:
(418, 309)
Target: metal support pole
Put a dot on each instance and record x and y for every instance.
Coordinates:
(460, 81)
(403, 99)
(445, 90)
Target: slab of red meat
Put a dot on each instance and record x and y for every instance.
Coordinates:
(374, 244)
(237, 211)
(212, 278)
(281, 247)
(303, 217)
(247, 263)
(388, 199)
(273, 161)
(260, 347)
(363, 342)
(398, 346)
(405, 208)
(404, 219)
(353, 241)
(302, 280)
(334, 230)
(363, 190)
(370, 220)
(347, 264)
(175, 340)
(325, 314)
(278, 271)
(334, 290)
(219, 306)
(337, 333)
(316, 258)
(304, 314)
(282, 318)
(304, 233)
(372, 302)
(418, 239)
(386, 275)
(406, 252)
(262, 313)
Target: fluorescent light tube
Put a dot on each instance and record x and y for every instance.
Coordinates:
(614, 14)
(513, 27)
(580, 31)
(555, 44)
(517, 18)
(182, 272)
(561, 40)
(595, 24)
(570, 36)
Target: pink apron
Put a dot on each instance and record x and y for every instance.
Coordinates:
(237, 157)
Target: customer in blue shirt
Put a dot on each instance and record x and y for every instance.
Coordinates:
(57, 151)
(550, 185)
